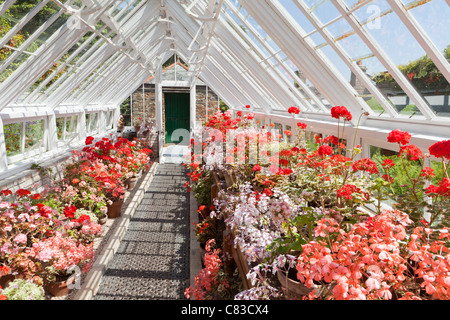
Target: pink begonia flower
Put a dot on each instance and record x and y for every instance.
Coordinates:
(4, 204)
(21, 238)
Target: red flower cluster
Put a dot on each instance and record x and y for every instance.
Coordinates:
(347, 190)
(443, 189)
(285, 171)
(301, 125)
(325, 150)
(341, 112)
(89, 140)
(398, 136)
(365, 164)
(84, 217)
(257, 167)
(330, 139)
(69, 212)
(412, 152)
(387, 164)
(22, 193)
(427, 172)
(6, 192)
(294, 110)
(440, 149)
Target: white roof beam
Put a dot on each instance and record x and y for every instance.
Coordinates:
(300, 82)
(353, 67)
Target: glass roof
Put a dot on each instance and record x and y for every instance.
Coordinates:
(389, 58)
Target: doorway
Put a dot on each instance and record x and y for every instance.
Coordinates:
(177, 115)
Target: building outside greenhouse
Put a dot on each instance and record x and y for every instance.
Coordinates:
(225, 150)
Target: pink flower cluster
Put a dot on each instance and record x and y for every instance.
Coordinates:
(207, 277)
(370, 262)
(61, 253)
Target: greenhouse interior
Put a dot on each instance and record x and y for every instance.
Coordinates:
(224, 150)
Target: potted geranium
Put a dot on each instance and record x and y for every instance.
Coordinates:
(60, 257)
(83, 226)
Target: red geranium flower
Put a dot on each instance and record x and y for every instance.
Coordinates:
(83, 218)
(301, 125)
(443, 189)
(427, 172)
(341, 112)
(6, 192)
(22, 192)
(239, 113)
(365, 164)
(247, 106)
(257, 167)
(347, 190)
(286, 171)
(387, 164)
(89, 140)
(388, 178)
(69, 212)
(325, 150)
(440, 149)
(412, 152)
(398, 136)
(294, 110)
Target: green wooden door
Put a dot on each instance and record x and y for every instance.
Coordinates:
(177, 113)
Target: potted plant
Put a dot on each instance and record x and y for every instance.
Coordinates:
(59, 257)
(83, 226)
(137, 123)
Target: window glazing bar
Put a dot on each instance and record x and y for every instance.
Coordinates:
(355, 69)
(381, 55)
(422, 38)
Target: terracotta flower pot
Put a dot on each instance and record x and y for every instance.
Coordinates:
(115, 209)
(59, 288)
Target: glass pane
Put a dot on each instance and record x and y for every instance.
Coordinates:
(298, 15)
(400, 181)
(438, 171)
(407, 54)
(60, 127)
(71, 127)
(324, 10)
(11, 18)
(15, 42)
(88, 129)
(433, 17)
(13, 138)
(34, 134)
(4, 52)
(93, 123)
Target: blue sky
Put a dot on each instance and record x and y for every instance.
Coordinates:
(389, 32)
